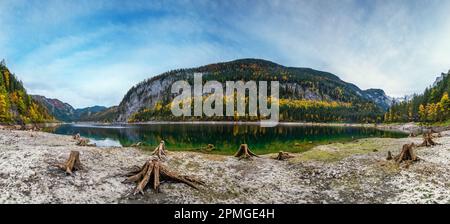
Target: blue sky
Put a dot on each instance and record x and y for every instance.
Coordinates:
(90, 52)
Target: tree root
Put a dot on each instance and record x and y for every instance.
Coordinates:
(244, 152)
(283, 156)
(152, 172)
(72, 164)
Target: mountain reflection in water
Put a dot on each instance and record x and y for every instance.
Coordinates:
(225, 137)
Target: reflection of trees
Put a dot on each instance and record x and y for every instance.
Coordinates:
(224, 137)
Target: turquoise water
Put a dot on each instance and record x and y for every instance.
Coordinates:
(225, 137)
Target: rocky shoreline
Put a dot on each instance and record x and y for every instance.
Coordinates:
(354, 172)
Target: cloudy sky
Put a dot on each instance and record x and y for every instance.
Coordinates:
(90, 52)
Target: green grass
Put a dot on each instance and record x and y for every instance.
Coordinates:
(437, 124)
(338, 151)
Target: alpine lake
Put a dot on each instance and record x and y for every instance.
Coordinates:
(226, 138)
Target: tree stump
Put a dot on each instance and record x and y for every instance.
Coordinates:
(389, 156)
(76, 136)
(283, 156)
(153, 172)
(210, 147)
(244, 152)
(160, 151)
(72, 164)
(84, 142)
(427, 140)
(407, 154)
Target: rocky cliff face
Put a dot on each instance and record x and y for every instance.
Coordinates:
(379, 97)
(295, 83)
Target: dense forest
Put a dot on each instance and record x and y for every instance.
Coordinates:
(290, 110)
(16, 106)
(431, 106)
(305, 94)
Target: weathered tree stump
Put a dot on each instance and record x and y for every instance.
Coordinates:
(160, 151)
(76, 136)
(428, 140)
(210, 147)
(283, 156)
(244, 152)
(389, 156)
(407, 154)
(84, 142)
(72, 164)
(153, 171)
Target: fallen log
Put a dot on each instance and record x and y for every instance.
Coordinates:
(160, 151)
(244, 152)
(153, 171)
(72, 164)
(283, 156)
(407, 154)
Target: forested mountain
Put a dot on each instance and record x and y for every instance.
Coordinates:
(16, 106)
(431, 106)
(60, 110)
(106, 115)
(305, 94)
(65, 112)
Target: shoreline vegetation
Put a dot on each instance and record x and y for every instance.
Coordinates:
(353, 172)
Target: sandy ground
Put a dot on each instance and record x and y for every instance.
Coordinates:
(355, 172)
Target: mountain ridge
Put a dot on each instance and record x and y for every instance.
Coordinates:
(66, 112)
(295, 84)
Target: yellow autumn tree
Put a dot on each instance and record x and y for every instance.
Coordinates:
(422, 113)
(445, 103)
(4, 110)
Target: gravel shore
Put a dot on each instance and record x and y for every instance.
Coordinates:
(355, 172)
